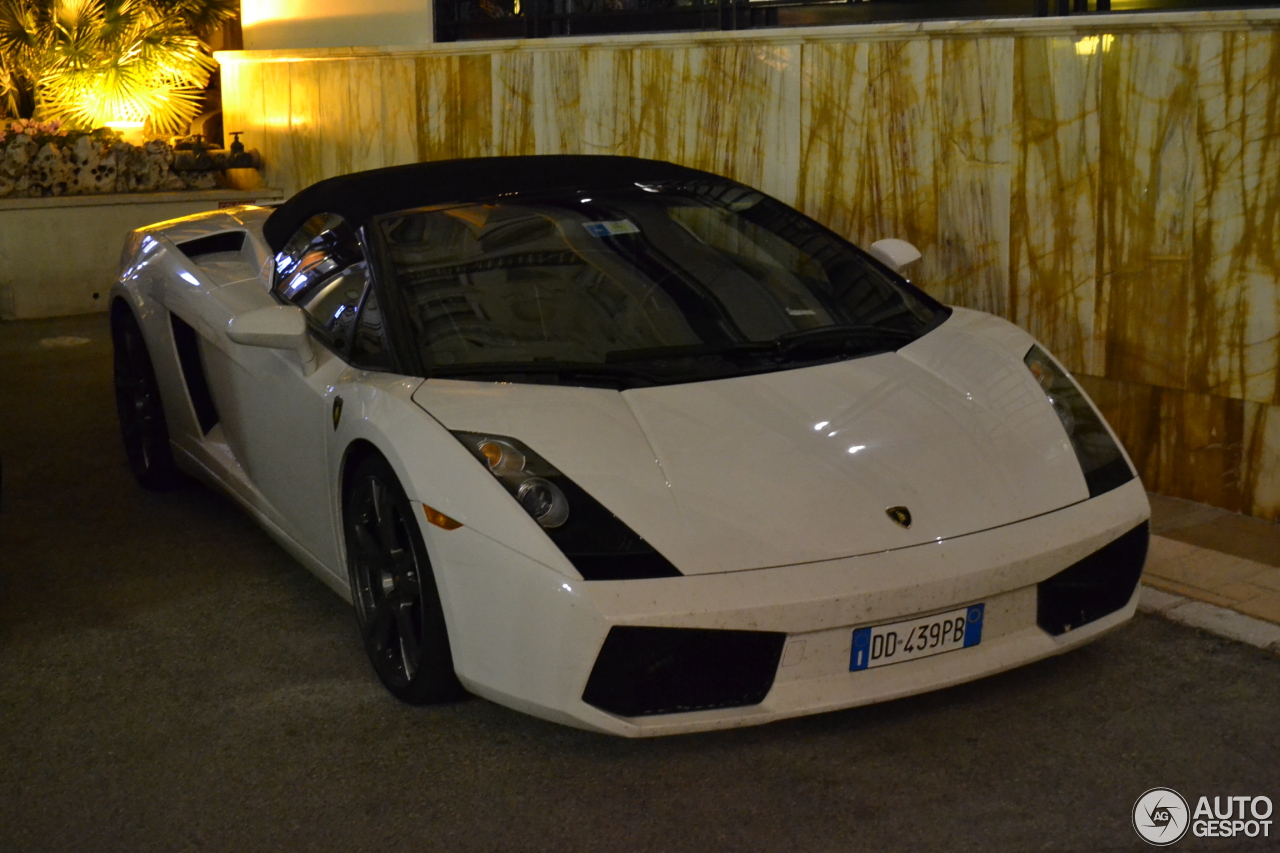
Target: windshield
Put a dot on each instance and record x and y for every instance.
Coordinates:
(652, 284)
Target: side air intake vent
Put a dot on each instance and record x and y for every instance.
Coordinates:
(1100, 584)
(227, 241)
(643, 671)
(188, 345)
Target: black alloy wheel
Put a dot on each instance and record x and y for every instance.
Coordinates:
(394, 590)
(138, 406)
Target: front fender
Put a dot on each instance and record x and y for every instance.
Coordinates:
(433, 466)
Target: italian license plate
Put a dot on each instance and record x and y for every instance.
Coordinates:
(881, 645)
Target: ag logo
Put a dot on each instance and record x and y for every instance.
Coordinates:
(1160, 816)
(899, 514)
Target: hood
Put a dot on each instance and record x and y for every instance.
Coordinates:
(801, 465)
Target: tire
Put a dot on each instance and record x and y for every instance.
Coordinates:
(393, 588)
(138, 406)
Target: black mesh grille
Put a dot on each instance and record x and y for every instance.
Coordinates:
(1101, 583)
(643, 671)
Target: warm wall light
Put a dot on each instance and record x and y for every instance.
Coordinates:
(130, 130)
(256, 11)
(1088, 45)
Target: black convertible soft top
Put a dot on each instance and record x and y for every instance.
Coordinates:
(360, 196)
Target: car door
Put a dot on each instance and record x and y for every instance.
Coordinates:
(281, 420)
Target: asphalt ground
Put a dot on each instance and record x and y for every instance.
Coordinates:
(170, 679)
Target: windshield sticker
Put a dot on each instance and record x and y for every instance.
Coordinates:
(611, 229)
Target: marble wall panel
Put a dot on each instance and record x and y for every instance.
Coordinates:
(253, 115)
(277, 150)
(1053, 226)
(1264, 458)
(455, 106)
(512, 91)
(606, 93)
(397, 86)
(1215, 450)
(727, 108)
(766, 140)
(973, 172)
(1191, 163)
(367, 100)
(1258, 176)
(306, 122)
(238, 79)
(867, 142)
(558, 78)
(584, 103)
(1234, 341)
(1149, 155)
(333, 112)
(661, 80)
(912, 139)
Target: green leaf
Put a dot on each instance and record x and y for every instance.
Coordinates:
(94, 61)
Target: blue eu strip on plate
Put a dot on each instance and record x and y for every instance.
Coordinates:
(881, 645)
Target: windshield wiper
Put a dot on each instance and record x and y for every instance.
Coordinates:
(682, 351)
(569, 373)
(825, 340)
(841, 339)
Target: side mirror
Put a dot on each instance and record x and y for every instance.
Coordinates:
(275, 327)
(897, 255)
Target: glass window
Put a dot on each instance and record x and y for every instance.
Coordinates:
(369, 349)
(322, 270)
(333, 304)
(692, 281)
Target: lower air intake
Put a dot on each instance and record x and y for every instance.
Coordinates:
(643, 671)
(1100, 584)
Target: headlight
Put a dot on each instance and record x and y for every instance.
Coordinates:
(541, 498)
(1100, 458)
(544, 501)
(597, 542)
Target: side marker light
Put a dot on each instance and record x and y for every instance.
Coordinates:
(439, 519)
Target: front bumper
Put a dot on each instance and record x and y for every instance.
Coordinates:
(528, 637)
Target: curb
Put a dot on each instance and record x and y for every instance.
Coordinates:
(1209, 617)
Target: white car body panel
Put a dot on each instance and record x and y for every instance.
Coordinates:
(739, 482)
(686, 465)
(539, 618)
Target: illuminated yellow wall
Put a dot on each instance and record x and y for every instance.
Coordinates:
(1115, 193)
(270, 24)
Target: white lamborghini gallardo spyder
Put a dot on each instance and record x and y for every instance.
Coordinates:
(625, 445)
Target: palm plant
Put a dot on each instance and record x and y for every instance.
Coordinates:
(88, 63)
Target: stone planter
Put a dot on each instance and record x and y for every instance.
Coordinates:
(90, 165)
